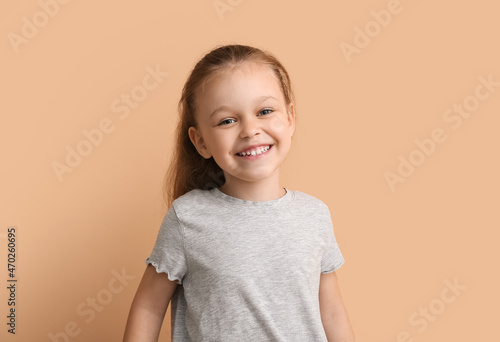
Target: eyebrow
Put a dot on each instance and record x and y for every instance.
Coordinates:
(224, 107)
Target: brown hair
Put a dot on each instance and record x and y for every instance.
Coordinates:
(188, 170)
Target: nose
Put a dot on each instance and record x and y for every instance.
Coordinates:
(250, 126)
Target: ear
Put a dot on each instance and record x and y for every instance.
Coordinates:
(291, 118)
(199, 144)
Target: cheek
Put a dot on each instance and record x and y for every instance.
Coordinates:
(280, 126)
(222, 142)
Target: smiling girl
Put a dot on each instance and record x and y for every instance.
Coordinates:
(246, 259)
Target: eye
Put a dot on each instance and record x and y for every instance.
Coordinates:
(265, 110)
(225, 122)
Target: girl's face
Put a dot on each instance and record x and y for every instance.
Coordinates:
(244, 110)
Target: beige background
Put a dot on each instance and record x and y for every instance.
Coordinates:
(356, 114)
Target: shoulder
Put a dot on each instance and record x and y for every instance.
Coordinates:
(303, 200)
(313, 212)
(192, 201)
(191, 197)
(313, 206)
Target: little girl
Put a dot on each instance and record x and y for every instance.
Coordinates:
(241, 257)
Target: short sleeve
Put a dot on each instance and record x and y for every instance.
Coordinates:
(332, 257)
(168, 255)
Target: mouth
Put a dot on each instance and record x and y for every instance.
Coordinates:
(255, 152)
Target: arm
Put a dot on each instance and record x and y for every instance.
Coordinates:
(149, 306)
(333, 313)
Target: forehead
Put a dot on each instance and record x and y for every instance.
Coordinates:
(238, 85)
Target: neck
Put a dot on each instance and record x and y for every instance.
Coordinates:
(262, 190)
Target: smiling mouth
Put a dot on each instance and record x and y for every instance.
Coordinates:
(256, 152)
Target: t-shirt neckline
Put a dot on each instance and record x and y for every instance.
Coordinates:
(275, 203)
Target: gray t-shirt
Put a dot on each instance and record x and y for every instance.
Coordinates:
(248, 270)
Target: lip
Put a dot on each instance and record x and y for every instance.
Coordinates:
(257, 156)
(253, 147)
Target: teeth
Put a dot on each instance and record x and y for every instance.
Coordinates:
(259, 150)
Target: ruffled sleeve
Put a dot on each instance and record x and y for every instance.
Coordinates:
(168, 255)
